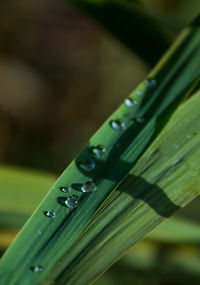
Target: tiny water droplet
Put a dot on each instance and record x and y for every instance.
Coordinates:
(176, 146)
(117, 125)
(188, 136)
(39, 232)
(88, 165)
(130, 103)
(50, 214)
(139, 92)
(88, 187)
(37, 269)
(98, 151)
(65, 189)
(140, 120)
(72, 201)
(151, 82)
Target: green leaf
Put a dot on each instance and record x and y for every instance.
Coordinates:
(163, 180)
(21, 190)
(125, 135)
(176, 231)
(147, 261)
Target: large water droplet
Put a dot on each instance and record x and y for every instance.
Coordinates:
(88, 187)
(98, 151)
(37, 269)
(88, 165)
(130, 103)
(150, 82)
(72, 201)
(117, 125)
(50, 214)
(65, 189)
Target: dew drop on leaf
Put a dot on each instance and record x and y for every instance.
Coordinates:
(72, 201)
(140, 120)
(139, 92)
(150, 82)
(88, 165)
(88, 187)
(98, 151)
(50, 214)
(117, 125)
(65, 189)
(37, 269)
(130, 103)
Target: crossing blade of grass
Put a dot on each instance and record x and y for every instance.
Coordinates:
(163, 180)
(128, 132)
(176, 231)
(21, 190)
(173, 265)
(133, 24)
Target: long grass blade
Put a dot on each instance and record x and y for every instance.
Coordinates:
(165, 179)
(154, 264)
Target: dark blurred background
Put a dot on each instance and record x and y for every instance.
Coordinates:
(61, 75)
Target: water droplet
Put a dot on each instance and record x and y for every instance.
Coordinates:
(88, 187)
(139, 92)
(140, 120)
(188, 136)
(37, 269)
(88, 165)
(130, 103)
(39, 232)
(65, 189)
(98, 151)
(50, 214)
(150, 82)
(72, 201)
(176, 146)
(117, 125)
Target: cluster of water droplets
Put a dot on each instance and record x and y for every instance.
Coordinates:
(88, 165)
(97, 152)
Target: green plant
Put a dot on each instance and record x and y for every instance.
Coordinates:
(127, 179)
